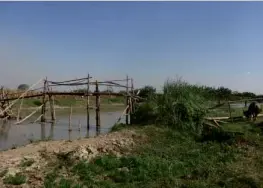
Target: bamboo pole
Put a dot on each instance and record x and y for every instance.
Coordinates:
(18, 112)
(43, 112)
(29, 115)
(88, 117)
(123, 113)
(132, 102)
(97, 106)
(51, 103)
(38, 118)
(22, 95)
(70, 115)
(127, 100)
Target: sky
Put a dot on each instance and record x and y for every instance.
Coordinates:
(208, 43)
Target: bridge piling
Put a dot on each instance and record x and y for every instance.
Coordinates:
(43, 111)
(51, 104)
(88, 117)
(127, 100)
(97, 107)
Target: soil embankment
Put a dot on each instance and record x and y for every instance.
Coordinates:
(33, 160)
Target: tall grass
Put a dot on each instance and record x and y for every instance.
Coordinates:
(181, 106)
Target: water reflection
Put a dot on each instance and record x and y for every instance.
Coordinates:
(51, 132)
(4, 130)
(69, 135)
(11, 134)
(43, 131)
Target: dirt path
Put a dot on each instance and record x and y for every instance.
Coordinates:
(43, 152)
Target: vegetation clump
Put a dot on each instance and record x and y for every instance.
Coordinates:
(17, 179)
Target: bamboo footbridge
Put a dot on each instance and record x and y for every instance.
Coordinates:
(50, 89)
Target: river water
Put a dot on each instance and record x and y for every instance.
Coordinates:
(12, 135)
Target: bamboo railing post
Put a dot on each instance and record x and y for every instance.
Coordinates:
(127, 99)
(97, 107)
(88, 117)
(43, 111)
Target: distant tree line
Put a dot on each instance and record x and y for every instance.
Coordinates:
(220, 94)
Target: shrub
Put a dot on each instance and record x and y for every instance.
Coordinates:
(23, 87)
(145, 113)
(182, 106)
(37, 102)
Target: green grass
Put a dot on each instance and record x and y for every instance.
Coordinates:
(174, 159)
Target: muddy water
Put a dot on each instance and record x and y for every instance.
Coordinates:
(12, 135)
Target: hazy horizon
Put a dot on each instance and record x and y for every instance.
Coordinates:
(208, 43)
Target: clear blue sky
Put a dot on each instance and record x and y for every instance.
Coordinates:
(214, 43)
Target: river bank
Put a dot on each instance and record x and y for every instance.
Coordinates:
(33, 161)
(139, 156)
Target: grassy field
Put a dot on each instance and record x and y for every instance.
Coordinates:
(172, 159)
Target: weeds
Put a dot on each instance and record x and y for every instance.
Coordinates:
(17, 179)
(27, 162)
(118, 127)
(3, 173)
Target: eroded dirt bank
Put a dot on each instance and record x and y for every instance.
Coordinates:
(33, 160)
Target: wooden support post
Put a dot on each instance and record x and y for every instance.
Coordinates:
(51, 104)
(97, 106)
(43, 111)
(52, 108)
(132, 103)
(127, 100)
(18, 112)
(88, 117)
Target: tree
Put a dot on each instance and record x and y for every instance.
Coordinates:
(248, 95)
(23, 87)
(223, 93)
(146, 91)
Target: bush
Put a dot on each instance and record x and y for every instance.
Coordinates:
(23, 87)
(145, 113)
(181, 106)
(37, 102)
